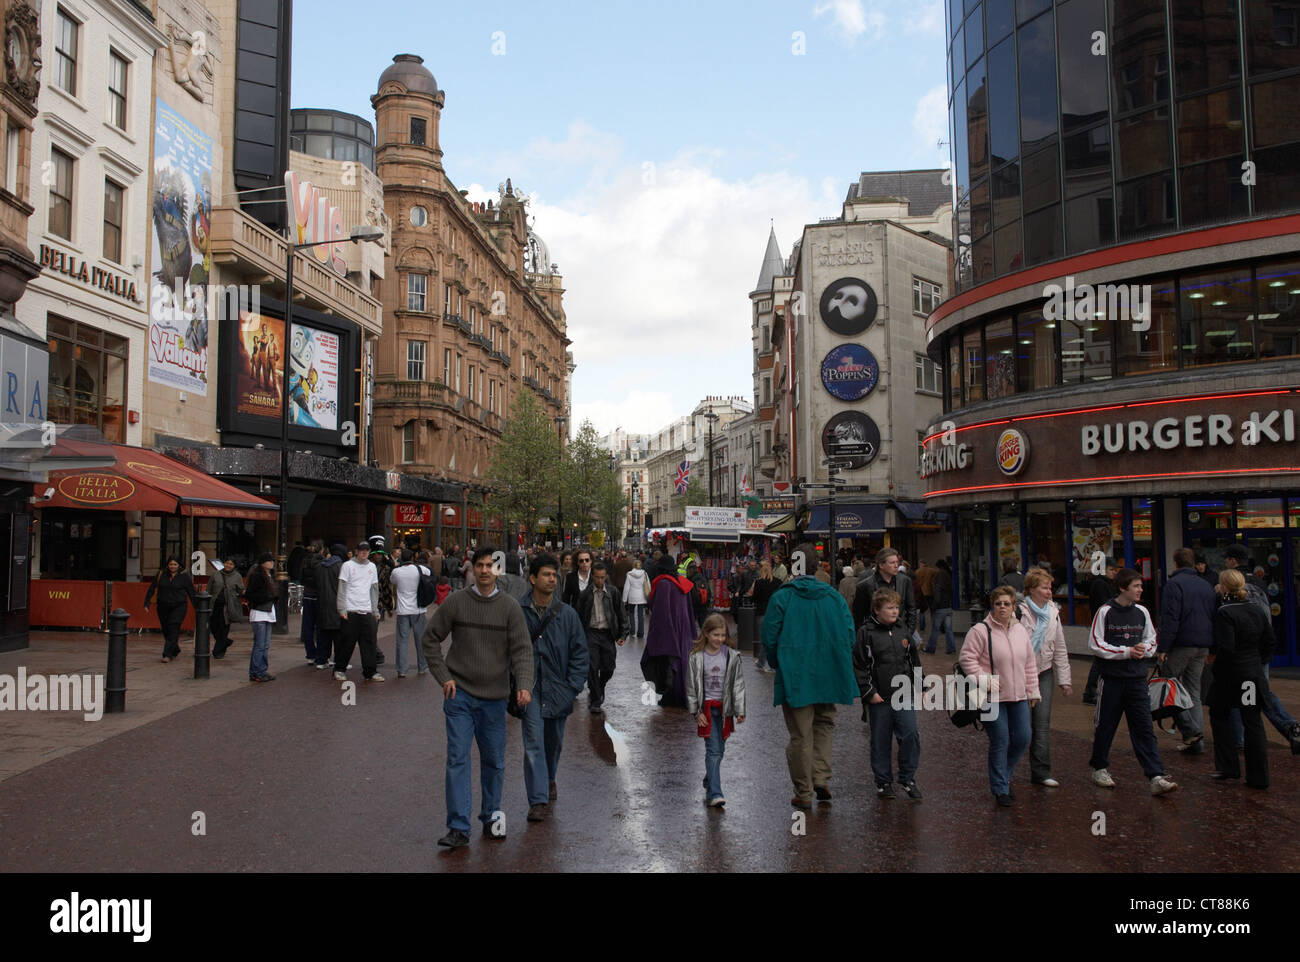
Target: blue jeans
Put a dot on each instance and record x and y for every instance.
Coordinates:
(1009, 736)
(941, 616)
(257, 664)
(406, 624)
(472, 719)
(714, 748)
(543, 741)
(636, 620)
(307, 629)
(886, 724)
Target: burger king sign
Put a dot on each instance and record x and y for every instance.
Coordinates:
(1013, 452)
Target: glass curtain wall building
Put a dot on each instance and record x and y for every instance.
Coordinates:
(1122, 349)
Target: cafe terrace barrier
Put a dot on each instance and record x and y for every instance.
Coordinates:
(86, 604)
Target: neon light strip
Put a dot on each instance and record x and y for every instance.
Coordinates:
(1109, 407)
(1113, 478)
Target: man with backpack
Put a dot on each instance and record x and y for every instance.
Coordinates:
(415, 589)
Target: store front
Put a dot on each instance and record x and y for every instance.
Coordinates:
(1131, 482)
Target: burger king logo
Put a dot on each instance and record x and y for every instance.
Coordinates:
(1013, 451)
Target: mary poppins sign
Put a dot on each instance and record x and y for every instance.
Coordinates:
(850, 372)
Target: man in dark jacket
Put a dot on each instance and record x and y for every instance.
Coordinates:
(885, 575)
(1186, 632)
(327, 596)
(941, 607)
(560, 668)
(1100, 592)
(307, 578)
(600, 609)
(577, 580)
(700, 602)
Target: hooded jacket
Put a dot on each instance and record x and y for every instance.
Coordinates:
(634, 585)
(560, 656)
(327, 592)
(808, 637)
(882, 654)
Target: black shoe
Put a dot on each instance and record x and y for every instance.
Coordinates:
(596, 710)
(491, 835)
(885, 791)
(928, 651)
(1089, 699)
(1224, 777)
(913, 792)
(218, 655)
(379, 658)
(552, 794)
(1005, 801)
(1295, 740)
(706, 782)
(822, 792)
(1194, 747)
(537, 813)
(454, 839)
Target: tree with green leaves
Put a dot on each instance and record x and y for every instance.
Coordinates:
(586, 470)
(525, 463)
(611, 505)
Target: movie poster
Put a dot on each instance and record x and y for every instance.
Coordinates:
(314, 378)
(180, 254)
(260, 361)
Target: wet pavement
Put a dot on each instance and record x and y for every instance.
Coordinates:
(288, 778)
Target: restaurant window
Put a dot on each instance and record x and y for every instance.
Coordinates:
(113, 221)
(1036, 353)
(1277, 293)
(1259, 513)
(1154, 348)
(408, 442)
(1047, 548)
(973, 353)
(116, 90)
(415, 360)
(929, 376)
(60, 222)
(417, 131)
(1216, 317)
(416, 286)
(82, 545)
(1098, 534)
(1207, 514)
(1000, 359)
(65, 51)
(1087, 348)
(1145, 561)
(87, 377)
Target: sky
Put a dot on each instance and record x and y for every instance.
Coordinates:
(658, 145)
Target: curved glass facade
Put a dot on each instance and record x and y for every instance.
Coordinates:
(332, 135)
(1080, 124)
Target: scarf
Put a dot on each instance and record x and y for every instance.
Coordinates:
(1041, 617)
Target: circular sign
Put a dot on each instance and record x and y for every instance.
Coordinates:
(96, 488)
(850, 372)
(852, 427)
(848, 306)
(1275, 610)
(1273, 560)
(1273, 589)
(1012, 452)
(1193, 516)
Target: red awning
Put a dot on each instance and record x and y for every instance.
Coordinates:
(143, 480)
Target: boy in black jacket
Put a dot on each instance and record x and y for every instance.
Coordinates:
(883, 662)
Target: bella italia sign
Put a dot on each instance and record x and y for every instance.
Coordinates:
(62, 262)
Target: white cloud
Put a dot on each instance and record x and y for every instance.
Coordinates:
(925, 18)
(637, 412)
(852, 18)
(930, 122)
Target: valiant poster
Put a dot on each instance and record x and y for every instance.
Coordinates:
(180, 253)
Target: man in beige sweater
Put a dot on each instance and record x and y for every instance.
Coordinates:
(490, 643)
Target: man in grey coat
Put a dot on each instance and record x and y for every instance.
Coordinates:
(226, 588)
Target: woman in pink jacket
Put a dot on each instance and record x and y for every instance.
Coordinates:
(1042, 620)
(999, 647)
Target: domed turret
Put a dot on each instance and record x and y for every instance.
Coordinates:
(407, 70)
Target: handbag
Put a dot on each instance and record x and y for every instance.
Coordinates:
(512, 703)
(968, 709)
(1169, 698)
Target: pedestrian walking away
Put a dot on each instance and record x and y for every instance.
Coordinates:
(941, 608)
(307, 578)
(997, 653)
(715, 696)
(763, 589)
(175, 591)
(490, 640)
(263, 593)
(1042, 620)
(634, 597)
(884, 659)
(357, 604)
(328, 618)
(1242, 646)
(560, 669)
(227, 589)
(1187, 607)
(601, 612)
(1122, 637)
(405, 580)
(808, 635)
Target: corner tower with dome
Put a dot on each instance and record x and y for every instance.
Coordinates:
(473, 305)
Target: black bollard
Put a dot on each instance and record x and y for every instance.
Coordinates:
(115, 691)
(202, 654)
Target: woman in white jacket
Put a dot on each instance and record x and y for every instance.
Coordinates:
(1042, 619)
(634, 586)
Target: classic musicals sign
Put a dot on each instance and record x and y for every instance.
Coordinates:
(850, 372)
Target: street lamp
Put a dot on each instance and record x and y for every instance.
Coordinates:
(357, 235)
(711, 418)
(560, 420)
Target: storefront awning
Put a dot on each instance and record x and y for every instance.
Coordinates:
(143, 480)
(851, 518)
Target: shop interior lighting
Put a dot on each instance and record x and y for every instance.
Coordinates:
(1196, 295)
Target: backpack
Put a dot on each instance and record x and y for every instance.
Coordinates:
(1169, 699)
(426, 592)
(450, 567)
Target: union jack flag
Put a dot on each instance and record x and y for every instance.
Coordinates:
(683, 477)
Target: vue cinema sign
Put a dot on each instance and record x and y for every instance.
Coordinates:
(316, 220)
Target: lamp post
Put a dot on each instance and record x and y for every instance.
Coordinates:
(560, 420)
(357, 235)
(711, 418)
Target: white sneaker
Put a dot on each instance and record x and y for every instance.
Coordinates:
(1050, 783)
(375, 677)
(339, 676)
(1160, 785)
(1102, 777)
